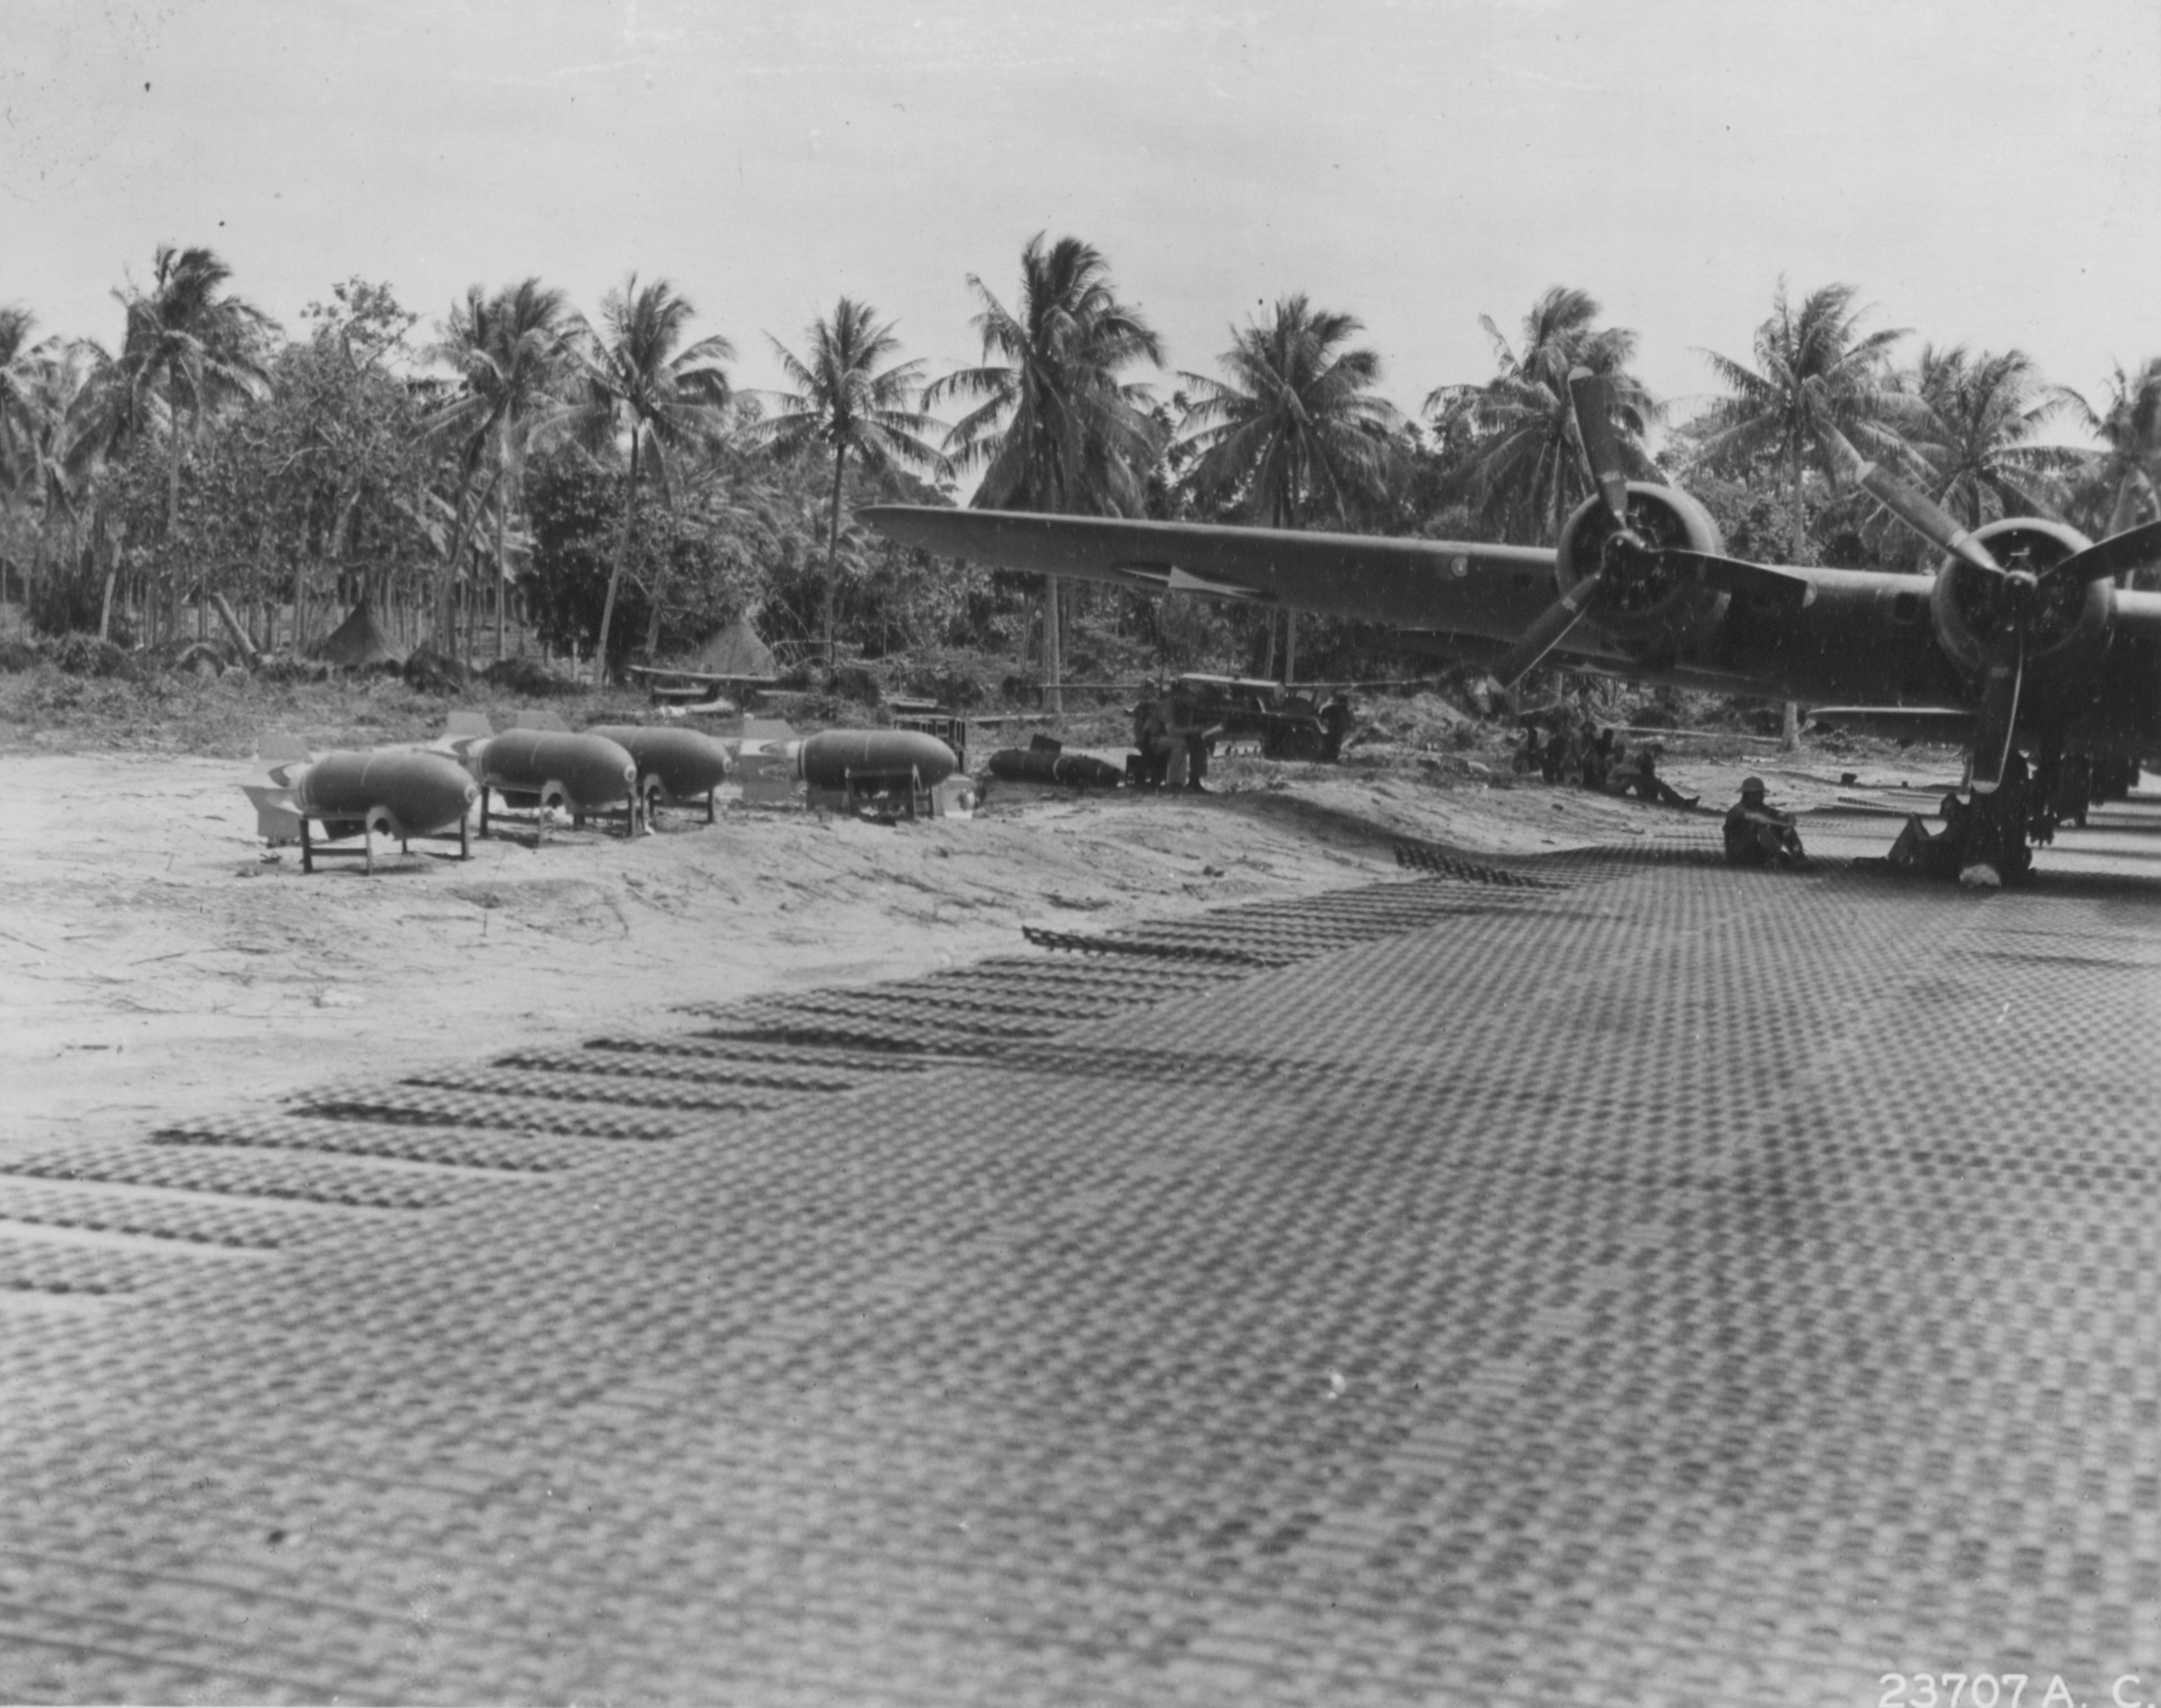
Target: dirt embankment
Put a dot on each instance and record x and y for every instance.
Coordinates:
(153, 964)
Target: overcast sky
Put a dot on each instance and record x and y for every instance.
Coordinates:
(1986, 171)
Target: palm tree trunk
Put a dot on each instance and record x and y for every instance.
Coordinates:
(1798, 543)
(170, 623)
(653, 615)
(502, 564)
(446, 592)
(2126, 503)
(615, 575)
(1789, 714)
(1053, 700)
(100, 547)
(833, 550)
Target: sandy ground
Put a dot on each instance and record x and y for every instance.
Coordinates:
(153, 964)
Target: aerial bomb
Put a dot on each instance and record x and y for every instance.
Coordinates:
(401, 795)
(841, 758)
(675, 766)
(534, 768)
(1049, 765)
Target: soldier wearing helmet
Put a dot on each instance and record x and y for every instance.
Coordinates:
(1757, 834)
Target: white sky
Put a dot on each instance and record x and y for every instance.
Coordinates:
(1985, 171)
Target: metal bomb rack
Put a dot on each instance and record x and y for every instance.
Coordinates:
(340, 830)
(874, 792)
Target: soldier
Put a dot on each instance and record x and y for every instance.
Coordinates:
(1563, 754)
(1758, 834)
(1924, 853)
(1189, 740)
(1151, 740)
(1599, 757)
(1646, 785)
(1335, 721)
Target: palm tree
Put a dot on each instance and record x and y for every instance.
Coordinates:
(670, 397)
(189, 347)
(1526, 472)
(1975, 441)
(2123, 476)
(1296, 428)
(1815, 372)
(22, 373)
(23, 365)
(56, 423)
(844, 398)
(512, 350)
(1057, 428)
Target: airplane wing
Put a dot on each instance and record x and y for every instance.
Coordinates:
(1433, 586)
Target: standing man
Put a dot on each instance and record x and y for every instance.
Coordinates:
(1335, 721)
(1188, 757)
(1152, 740)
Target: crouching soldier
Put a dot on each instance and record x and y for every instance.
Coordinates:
(1758, 834)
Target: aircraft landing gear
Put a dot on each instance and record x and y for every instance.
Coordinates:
(1996, 827)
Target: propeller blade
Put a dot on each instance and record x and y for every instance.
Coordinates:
(1602, 450)
(1763, 581)
(1917, 510)
(1999, 714)
(1546, 631)
(2132, 549)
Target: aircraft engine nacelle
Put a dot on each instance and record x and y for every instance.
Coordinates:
(2066, 631)
(1649, 603)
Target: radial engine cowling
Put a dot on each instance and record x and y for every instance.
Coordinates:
(1649, 604)
(2068, 627)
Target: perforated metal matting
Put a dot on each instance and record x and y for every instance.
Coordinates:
(1626, 1280)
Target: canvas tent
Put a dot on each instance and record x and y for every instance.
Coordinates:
(736, 651)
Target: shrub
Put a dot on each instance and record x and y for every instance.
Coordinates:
(430, 672)
(86, 655)
(529, 677)
(950, 686)
(854, 682)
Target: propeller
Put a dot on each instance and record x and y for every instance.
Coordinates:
(1764, 581)
(1624, 548)
(1917, 511)
(1602, 450)
(2023, 592)
(1546, 630)
(1601, 453)
(2132, 549)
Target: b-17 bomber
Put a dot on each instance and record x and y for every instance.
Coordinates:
(2021, 641)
